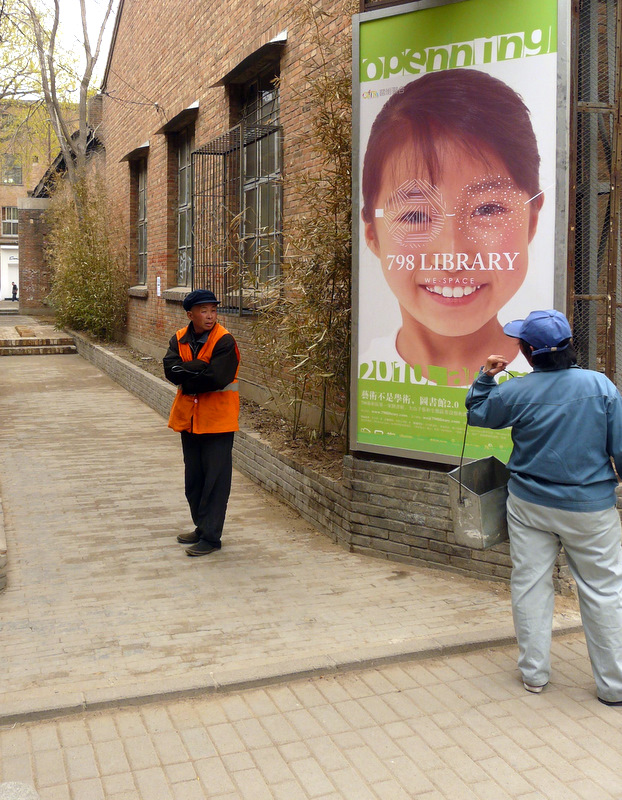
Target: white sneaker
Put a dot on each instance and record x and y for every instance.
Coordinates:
(533, 689)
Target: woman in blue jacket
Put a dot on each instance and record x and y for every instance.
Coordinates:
(566, 428)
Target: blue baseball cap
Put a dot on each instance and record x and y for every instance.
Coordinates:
(543, 330)
(198, 298)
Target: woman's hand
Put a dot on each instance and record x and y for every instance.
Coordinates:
(495, 365)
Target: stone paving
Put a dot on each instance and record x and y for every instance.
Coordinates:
(347, 677)
(102, 603)
(458, 727)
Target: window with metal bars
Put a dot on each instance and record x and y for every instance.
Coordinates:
(185, 144)
(237, 204)
(262, 173)
(141, 221)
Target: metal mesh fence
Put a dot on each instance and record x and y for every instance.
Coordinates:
(596, 281)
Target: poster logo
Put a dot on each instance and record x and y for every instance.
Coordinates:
(477, 52)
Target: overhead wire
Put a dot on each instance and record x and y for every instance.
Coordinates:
(149, 102)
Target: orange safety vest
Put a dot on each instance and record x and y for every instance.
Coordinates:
(208, 412)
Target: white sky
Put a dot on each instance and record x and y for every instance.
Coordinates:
(70, 28)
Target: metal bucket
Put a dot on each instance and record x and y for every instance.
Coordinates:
(477, 494)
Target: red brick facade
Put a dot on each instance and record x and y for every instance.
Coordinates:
(34, 270)
(27, 144)
(170, 55)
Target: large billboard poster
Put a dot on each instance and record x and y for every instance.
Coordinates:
(455, 155)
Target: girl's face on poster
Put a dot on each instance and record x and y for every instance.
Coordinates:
(455, 252)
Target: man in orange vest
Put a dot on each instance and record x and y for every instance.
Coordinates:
(203, 360)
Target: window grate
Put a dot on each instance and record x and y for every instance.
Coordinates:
(141, 222)
(184, 209)
(236, 203)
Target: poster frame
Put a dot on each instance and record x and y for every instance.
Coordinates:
(562, 174)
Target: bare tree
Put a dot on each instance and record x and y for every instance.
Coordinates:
(73, 144)
(18, 73)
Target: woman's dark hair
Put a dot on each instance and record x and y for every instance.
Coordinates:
(557, 359)
(470, 107)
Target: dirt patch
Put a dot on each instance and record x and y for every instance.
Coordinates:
(326, 459)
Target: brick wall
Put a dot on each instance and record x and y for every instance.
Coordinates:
(35, 276)
(394, 511)
(168, 55)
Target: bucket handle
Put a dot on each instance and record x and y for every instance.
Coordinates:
(466, 428)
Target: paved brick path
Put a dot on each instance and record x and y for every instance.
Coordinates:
(459, 727)
(103, 610)
(102, 603)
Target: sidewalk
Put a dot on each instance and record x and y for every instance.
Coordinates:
(453, 728)
(102, 604)
(353, 677)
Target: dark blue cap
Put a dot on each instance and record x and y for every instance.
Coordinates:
(198, 297)
(543, 330)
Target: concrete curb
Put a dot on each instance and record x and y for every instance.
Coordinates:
(3, 552)
(18, 709)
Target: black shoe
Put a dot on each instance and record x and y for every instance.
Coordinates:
(201, 549)
(610, 702)
(189, 538)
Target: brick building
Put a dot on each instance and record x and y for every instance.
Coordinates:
(205, 125)
(192, 89)
(24, 153)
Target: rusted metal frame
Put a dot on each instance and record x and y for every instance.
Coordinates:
(616, 199)
(584, 106)
(572, 159)
(581, 118)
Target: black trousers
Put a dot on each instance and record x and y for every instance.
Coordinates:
(208, 467)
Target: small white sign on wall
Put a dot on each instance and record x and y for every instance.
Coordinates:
(158, 286)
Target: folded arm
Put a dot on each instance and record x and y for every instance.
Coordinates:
(198, 376)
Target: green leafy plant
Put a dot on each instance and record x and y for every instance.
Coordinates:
(89, 278)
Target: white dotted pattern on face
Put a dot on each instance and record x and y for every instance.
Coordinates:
(415, 212)
(489, 208)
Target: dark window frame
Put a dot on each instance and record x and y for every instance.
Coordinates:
(141, 220)
(185, 147)
(10, 221)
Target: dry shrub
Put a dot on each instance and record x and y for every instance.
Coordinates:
(89, 277)
(304, 335)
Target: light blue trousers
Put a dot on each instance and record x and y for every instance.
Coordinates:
(591, 542)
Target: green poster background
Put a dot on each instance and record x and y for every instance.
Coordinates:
(395, 413)
(425, 419)
(457, 22)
